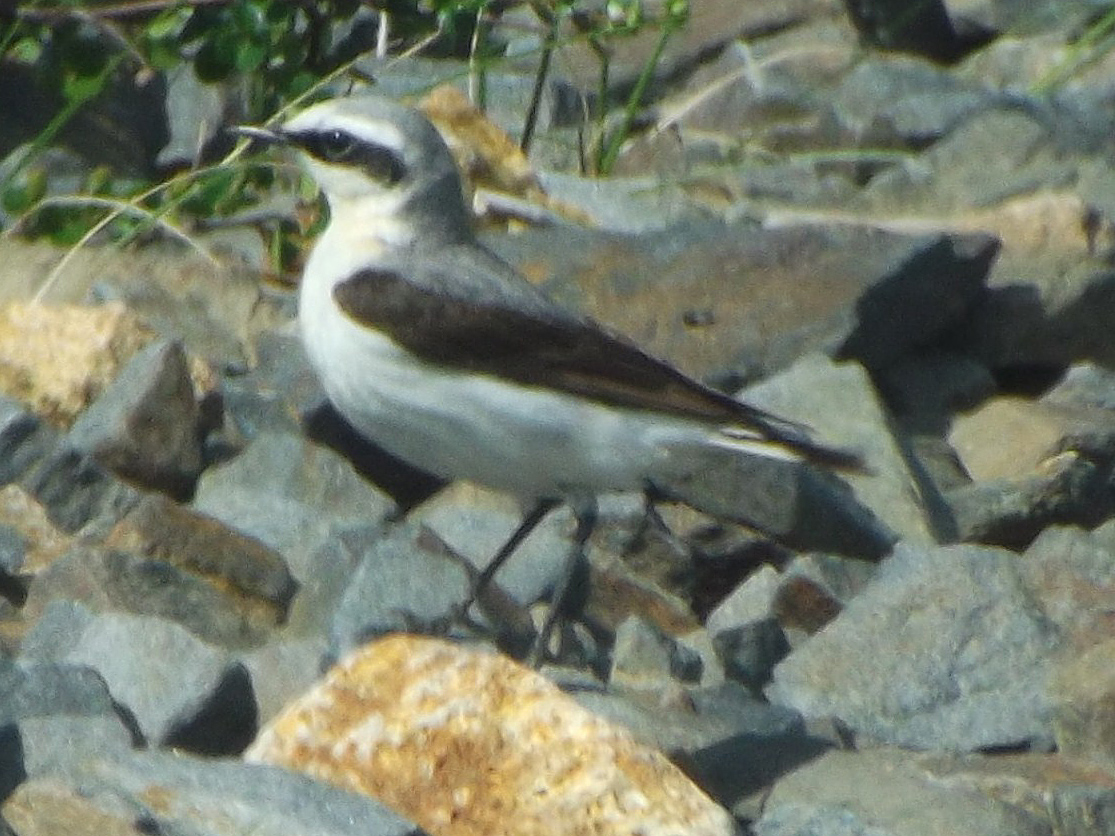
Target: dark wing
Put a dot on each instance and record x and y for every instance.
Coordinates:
(557, 351)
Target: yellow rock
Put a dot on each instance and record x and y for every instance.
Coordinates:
(466, 742)
(59, 358)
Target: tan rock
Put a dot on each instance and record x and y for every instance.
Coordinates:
(59, 358)
(1009, 437)
(487, 156)
(483, 151)
(45, 541)
(467, 742)
(45, 807)
(1072, 794)
(1083, 690)
(240, 567)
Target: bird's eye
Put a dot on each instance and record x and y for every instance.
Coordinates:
(335, 146)
(341, 148)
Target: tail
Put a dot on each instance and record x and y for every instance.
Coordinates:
(786, 439)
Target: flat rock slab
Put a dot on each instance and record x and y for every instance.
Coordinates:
(749, 300)
(157, 792)
(840, 403)
(944, 649)
(468, 742)
(883, 792)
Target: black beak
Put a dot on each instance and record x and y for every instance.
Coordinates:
(264, 135)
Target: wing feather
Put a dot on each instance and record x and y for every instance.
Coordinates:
(543, 345)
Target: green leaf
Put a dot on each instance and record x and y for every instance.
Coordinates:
(169, 24)
(250, 18)
(81, 88)
(26, 50)
(250, 56)
(27, 190)
(215, 59)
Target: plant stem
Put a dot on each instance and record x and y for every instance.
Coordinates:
(550, 21)
(59, 120)
(608, 160)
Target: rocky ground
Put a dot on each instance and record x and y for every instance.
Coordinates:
(915, 260)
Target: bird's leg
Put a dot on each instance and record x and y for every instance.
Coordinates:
(586, 513)
(530, 521)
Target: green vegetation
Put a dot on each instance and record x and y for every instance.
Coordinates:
(278, 53)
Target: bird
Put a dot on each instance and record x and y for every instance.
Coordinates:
(441, 353)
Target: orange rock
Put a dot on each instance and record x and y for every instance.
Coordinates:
(464, 741)
(483, 151)
(486, 155)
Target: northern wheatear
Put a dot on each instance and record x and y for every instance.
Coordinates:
(442, 354)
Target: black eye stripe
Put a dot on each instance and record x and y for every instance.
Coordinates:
(336, 146)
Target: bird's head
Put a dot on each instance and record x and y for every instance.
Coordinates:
(374, 158)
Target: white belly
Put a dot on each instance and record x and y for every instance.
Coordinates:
(457, 425)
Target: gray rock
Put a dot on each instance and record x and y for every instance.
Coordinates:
(234, 562)
(282, 670)
(751, 651)
(475, 523)
(732, 743)
(789, 289)
(334, 563)
(1023, 17)
(76, 491)
(50, 711)
(749, 602)
(1085, 384)
(180, 690)
(1072, 573)
(405, 578)
(13, 549)
(155, 792)
(508, 86)
(1071, 796)
(279, 388)
(881, 793)
(643, 656)
(892, 101)
(1067, 489)
(790, 501)
(291, 494)
(40, 689)
(195, 112)
(839, 402)
(1011, 437)
(38, 744)
(946, 649)
(24, 439)
(110, 580)
(144, 426)
(700, 644)
(709, 27)
(753, 624)
(990, 156)
(1083, 691)
(632, 205)
(842, 578)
